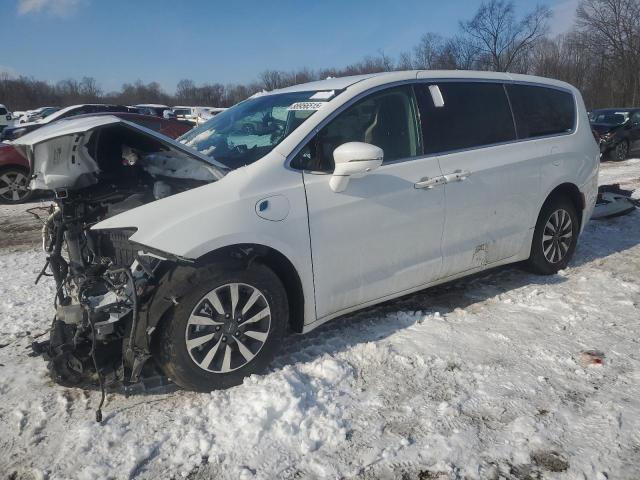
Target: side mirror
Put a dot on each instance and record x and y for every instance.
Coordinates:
(353, 159)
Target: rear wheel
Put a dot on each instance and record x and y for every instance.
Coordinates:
(227, 327)
(14, 185)
(555, 236)
(620, 151)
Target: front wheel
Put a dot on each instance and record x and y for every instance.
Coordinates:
(14, 186)
(620, 152)
(555, 236)
(226, 328)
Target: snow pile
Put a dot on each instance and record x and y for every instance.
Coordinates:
(482, 378)
(25, 309)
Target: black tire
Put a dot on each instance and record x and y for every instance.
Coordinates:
(14, 185)
(620, 152)
(179, 363)
(543, 248)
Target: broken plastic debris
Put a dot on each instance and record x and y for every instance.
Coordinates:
(591, 357)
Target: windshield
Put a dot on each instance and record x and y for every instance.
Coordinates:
(609, 117)
(251, 129)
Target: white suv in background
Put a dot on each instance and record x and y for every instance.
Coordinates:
(5, 117)
(301, 205)
(196, 115)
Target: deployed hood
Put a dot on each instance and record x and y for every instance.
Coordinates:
(76, 153)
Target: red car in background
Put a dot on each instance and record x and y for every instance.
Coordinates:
(14, 168)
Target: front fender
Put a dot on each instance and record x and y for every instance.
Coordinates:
(194, 223)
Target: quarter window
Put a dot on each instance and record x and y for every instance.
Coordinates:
(473, 115)
(541, 111)
(386, 119)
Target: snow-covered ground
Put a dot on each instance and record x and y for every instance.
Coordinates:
(477, 379)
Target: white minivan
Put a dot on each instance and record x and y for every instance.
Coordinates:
(304, 204)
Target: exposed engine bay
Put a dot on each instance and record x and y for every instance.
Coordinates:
(104, 283)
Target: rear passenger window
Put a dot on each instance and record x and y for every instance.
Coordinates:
(386, 119)
(3, 111)
(473, 115)
(541, 111)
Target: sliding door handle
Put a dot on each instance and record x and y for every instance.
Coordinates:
(457, 176)
(429, 183)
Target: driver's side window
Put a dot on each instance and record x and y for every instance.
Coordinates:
(386, 119)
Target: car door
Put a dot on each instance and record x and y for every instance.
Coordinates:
(490, 185)
(382, 235)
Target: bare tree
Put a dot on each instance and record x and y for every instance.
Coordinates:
(405, 61)
(428, 53)
(610, 30)
(499, 38)
(273, 79)
(185, 91)
(89, 91)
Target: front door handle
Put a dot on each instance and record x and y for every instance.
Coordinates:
(429, 183)
(457, 176)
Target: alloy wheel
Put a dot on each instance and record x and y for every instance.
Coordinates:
(622, 149)
(557, 236)
(14, 186)
(228, 327)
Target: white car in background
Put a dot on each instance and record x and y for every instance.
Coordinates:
(19, 117)
(184, 113)
(23, 127)
(346, 193)
(41, 113)
(196, 115)
(154, 109)
(212, 111)
(6, 118)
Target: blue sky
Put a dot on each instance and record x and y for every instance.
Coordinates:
(119, 41)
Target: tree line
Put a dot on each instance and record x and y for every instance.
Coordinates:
(599, 54)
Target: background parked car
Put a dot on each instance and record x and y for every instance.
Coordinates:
(15, 171)
(17, 116)
(5, 117)
(208, 112)
(151, 109)
(166, 126)
(41, 113)
(14, 176)
(186, 114)
(195, 115)
(617, 131)
(11, 133)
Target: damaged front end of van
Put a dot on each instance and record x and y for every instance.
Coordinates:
(97, 168)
